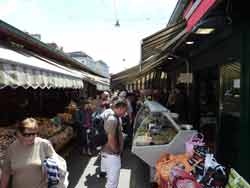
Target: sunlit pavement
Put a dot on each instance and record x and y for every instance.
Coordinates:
(83, 172)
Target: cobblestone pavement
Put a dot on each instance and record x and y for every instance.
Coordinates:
(83, 171)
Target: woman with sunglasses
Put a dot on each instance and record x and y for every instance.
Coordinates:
(24, 158)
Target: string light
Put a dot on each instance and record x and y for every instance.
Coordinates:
(117, 22)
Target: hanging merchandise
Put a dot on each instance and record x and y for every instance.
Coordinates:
(166, 163)
(197, 161)
(196, 140)
(179, 178)
(215, 177)
(214, 173)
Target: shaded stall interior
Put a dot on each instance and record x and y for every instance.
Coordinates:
(18, 103)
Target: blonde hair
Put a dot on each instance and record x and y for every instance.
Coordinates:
(28, 123)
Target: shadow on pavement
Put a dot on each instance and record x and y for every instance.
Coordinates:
(139, 172)
(76, 166)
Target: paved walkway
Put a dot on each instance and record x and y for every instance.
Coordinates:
(83, 171)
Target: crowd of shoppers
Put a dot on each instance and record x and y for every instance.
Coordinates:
(118, 109)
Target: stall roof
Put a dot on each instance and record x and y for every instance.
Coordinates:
(178, 11)
(24, 70)
(155, 44)
(102, 84)
(133, 71)
(11, 34)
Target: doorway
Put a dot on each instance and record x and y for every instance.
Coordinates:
(206, 92)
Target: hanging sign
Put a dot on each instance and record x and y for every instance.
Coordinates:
(185, 78)
(237, 83)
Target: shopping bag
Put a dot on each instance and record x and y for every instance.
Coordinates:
(195, 140)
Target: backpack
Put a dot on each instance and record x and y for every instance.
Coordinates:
(100, 135)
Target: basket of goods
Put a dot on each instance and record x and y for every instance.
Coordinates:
(72, 107)
(7, 136)
(62, 138)
(47, 128)
(65, 117)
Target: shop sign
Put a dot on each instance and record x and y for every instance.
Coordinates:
(185, 78)
(237, 83)
(196, 11)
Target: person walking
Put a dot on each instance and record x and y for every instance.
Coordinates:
(111, 151)
(87, 129)
(24, 158)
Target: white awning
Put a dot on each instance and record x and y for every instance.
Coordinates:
(102, 84)
(102, 87)
(18, 70)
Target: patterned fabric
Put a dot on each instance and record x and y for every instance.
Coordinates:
(52, 169)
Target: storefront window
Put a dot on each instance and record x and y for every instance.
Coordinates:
(230, 96)
(229, 129)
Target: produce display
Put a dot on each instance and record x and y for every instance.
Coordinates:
(154, 130)
(63, 137)
(7, 136)
(65, 117)
(47, 128)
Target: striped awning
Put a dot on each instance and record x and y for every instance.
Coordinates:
(102, 84)
(18, 70)
(156, 43)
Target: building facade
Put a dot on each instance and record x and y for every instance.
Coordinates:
(98, 66)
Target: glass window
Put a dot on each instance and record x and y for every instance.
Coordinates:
(230, 88)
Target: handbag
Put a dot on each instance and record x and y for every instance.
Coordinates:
(195, 140)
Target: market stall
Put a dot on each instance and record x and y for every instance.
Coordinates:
(38, 88)
(177, 155)
(156, 131)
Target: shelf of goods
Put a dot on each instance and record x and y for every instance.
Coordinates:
(157, 132)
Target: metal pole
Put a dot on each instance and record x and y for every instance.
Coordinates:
(187, 71)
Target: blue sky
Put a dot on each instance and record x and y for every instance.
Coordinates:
(88, 25)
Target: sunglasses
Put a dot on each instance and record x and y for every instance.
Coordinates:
(29, 134)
